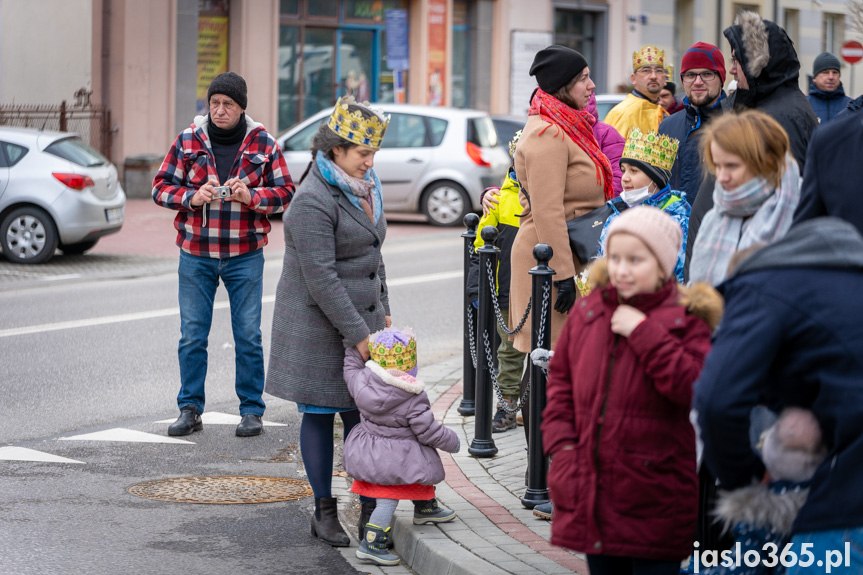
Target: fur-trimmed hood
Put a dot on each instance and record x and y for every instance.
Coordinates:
(766, 53)
(760, 506)
(406, 382)
(699, 299)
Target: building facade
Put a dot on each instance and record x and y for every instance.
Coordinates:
(150, 62)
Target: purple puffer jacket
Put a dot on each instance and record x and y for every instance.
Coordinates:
(395, 442)
(610, 142)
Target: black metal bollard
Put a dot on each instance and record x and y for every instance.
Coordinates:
(482, 444)
(537, 489)
(467, 405)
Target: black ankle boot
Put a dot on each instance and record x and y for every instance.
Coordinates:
(325, 523)
(365, 515)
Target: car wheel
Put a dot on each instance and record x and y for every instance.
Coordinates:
(445, 204)
(29, 236)
(79, 248)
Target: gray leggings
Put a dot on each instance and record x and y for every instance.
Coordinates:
(382, 516)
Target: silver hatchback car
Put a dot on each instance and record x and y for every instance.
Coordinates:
(432, 160)
(55, 191)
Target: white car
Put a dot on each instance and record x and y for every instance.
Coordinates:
(432, 160)
(55, 191)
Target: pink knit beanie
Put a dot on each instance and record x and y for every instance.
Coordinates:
(659, 232)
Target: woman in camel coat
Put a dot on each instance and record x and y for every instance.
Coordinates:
(565, 174)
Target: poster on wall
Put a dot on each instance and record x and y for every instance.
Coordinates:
(212, 54)
(437, 64)
(523, 48)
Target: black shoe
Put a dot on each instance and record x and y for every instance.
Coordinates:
(188, 422)
(250, 425)
(366, 508)
(503, 420)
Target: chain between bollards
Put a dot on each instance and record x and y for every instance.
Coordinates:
(482, 444)
(537, 489)
(468, 403)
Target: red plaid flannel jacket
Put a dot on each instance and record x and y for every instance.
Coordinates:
(223, 229)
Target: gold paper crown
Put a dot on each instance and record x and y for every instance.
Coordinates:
(648, 56)
(513, 142)
(402, 357)
(354, 127)
(655, 149)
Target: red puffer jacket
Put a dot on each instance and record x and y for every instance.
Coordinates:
(623, 475)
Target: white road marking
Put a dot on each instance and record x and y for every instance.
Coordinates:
(12, 453)
(126, 435)
(127, 317)
(218, 418)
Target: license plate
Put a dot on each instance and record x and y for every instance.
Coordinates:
(114, 214)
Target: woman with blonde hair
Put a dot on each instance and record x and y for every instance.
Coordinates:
(757, 190)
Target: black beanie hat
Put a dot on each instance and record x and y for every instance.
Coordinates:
(231, 85)
(658, 175)
(825, 61)
(555, 66)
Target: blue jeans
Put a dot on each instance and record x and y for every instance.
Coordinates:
(243, 277)
(828, 548)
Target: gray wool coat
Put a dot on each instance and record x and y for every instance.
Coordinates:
(396, 440)
(331, 295)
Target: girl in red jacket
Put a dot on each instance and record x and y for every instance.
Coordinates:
(623, 472)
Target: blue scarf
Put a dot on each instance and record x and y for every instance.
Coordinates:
(334, 178)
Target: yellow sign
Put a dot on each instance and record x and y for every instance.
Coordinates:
(212, 53)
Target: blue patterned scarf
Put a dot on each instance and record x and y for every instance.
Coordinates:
(352, 187)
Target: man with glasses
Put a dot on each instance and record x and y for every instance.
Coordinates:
(641, 108)
(222, 175)
(702, 72)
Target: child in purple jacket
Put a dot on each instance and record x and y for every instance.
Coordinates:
(392, 452)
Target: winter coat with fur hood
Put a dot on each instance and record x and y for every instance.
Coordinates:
(623, 474)
(396, 439)
(772, 69)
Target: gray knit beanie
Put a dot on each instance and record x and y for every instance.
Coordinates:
(231, 85)
(825, 61)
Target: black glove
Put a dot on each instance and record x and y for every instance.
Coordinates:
(565, 295)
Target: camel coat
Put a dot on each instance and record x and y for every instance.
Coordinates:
(561, 180)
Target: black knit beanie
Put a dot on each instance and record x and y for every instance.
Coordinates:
(658, 175)
(231, 85)
(555, 66)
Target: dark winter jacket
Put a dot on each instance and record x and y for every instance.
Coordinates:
(623, 477)
(770, 64)
(827, 105)
(853, 106)
(832, 186)
(792, 335)
(396, 440)
(686, 173)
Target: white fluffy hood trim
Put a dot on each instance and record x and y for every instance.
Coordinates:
(415, 386)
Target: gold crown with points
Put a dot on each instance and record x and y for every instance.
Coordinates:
(513, 143)
(651, 148)
(356, 128)
(394, 349)
(648, 56)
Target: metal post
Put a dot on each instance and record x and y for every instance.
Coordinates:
(537, 489)
(467, 406)
(482, 444)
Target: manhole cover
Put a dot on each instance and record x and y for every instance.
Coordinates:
(222, 489)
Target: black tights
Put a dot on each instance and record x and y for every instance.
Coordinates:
(316, 447)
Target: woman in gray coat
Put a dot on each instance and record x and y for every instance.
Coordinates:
(332, 292)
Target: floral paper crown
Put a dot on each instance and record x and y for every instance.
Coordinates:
(513, 143)
(354, 127)
(648, 56)
(394, 349)
(655, 149)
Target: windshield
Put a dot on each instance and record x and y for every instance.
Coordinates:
(77, 152)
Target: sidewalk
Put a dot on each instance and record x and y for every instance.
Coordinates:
(493, 533)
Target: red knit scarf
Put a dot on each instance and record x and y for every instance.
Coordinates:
(578, 125)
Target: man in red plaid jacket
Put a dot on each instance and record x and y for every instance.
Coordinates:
(223, 175)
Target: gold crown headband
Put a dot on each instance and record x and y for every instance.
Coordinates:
(354, 127)
(651, 148)
(397, 356)
(648, 56)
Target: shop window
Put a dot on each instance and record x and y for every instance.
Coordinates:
(582, 31)
(290, 69)
(289, 7)
(355, 53)
(831, 37)
(327, 8)
(460, 97)
(373, 10)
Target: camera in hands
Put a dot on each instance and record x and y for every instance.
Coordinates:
(222, 192)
